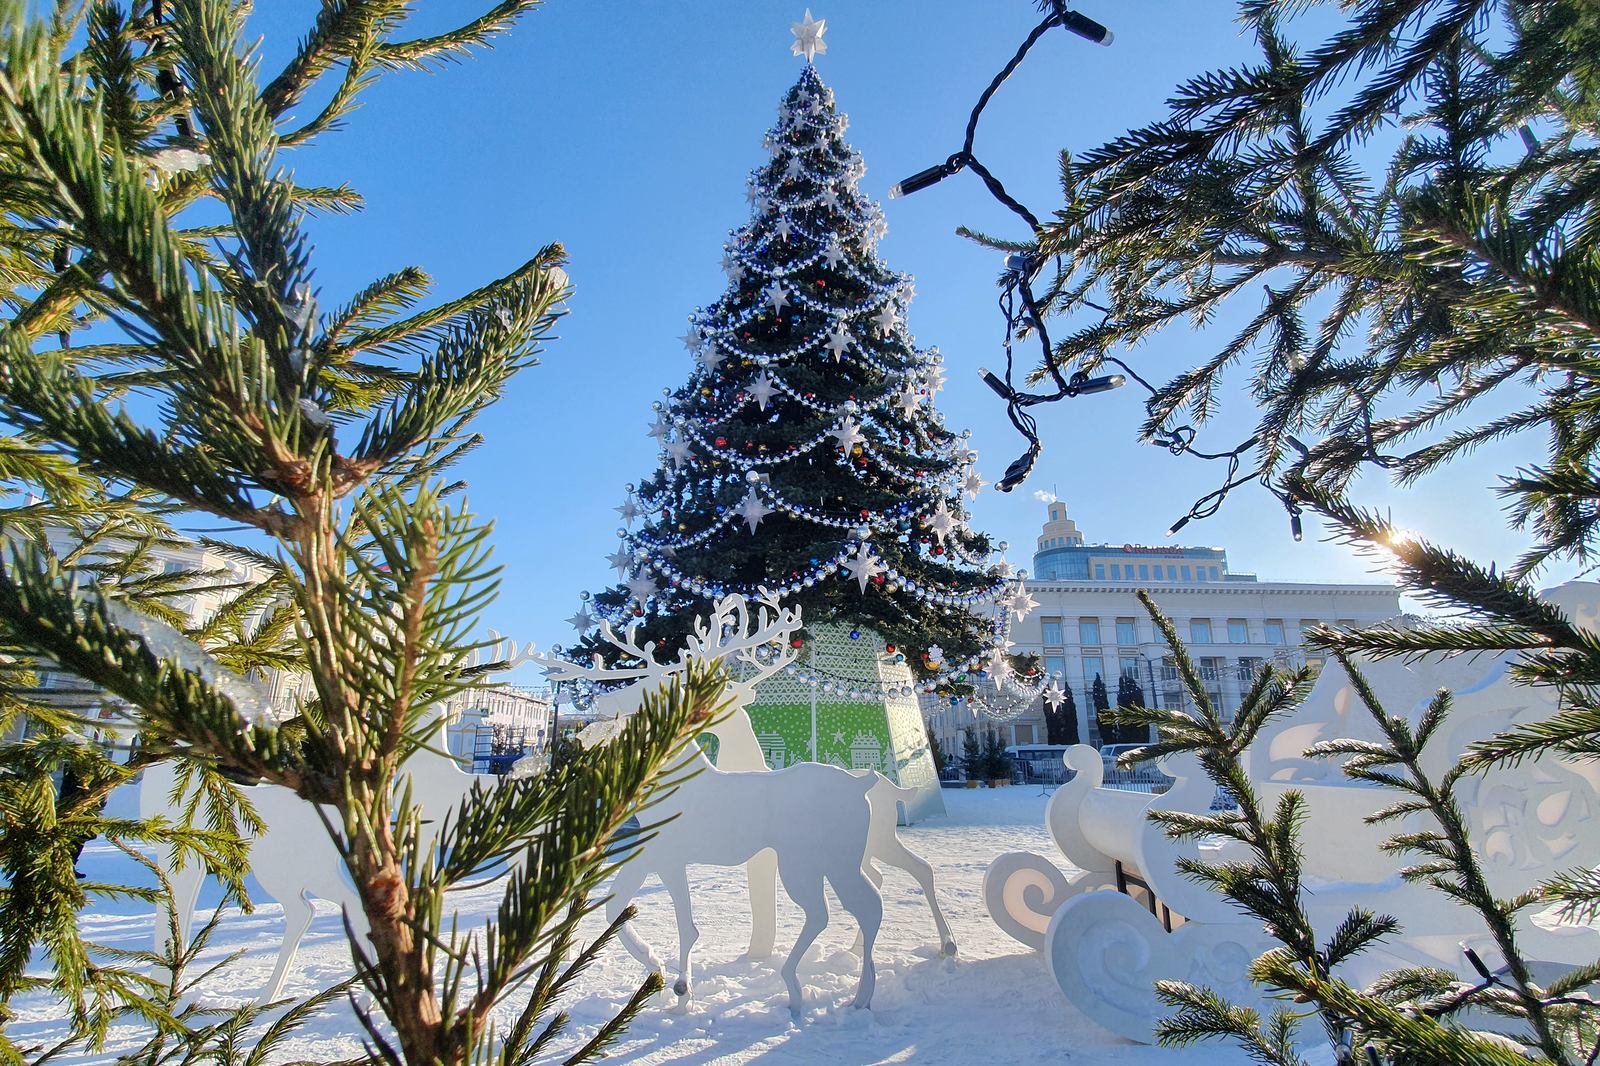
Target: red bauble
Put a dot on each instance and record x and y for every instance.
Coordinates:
(797, 643)
(889, 648)
(722, 442)
(878, 579)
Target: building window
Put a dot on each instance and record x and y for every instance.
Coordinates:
(1050, 630)
(1186, 573)
(1238, 631)
(1128, 666)
(1093, 667)
(1055, 665)
(1172, 573)
(1347, 623)
(1099, 571)
(1308, 624)
(1200, 631)
(1214, 574)
(1273, 628)
(1248, 666)
(1116, 571)
(1127, 634)
(1089, 631)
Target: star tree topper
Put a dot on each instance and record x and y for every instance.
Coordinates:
(808, 40)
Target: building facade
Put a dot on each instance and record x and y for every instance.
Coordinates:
(1089, 625)
(485, 721)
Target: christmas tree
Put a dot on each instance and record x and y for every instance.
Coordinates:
(804, 457)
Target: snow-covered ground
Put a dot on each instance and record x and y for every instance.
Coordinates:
(993, 1002)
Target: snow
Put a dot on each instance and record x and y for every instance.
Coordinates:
(993, 1002)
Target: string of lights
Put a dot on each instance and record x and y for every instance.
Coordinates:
(1021, 312)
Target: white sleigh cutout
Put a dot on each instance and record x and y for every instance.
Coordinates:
(1105, 949)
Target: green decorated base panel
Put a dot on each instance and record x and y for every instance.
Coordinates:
(884, 733)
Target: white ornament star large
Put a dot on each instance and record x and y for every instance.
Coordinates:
(833, 254)
(629, 511)
(643, 587)
(1054, 694)
(941, 522)
(838, 343)
(733, 268)
(658, 428)
(620, 561)
(1021, 602)
(710, 357)
(973, 484)
(829, 198)
(808, 40)
(694, 338)
(886, 319)
(776, 295)
(678, 451)
(582, 621)
(762, 389)
(848, 434)
(908, 402)
(753, 510)
(783, 229)
(864, 565)
(793, 167)
(1004, 568)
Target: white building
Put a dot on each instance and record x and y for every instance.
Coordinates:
(485, 721)
(1088, 624)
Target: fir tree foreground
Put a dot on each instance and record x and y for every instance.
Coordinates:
(1413, 312)
(328, 435)
(804, 457)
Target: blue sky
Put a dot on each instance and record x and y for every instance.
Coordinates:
(625, 130)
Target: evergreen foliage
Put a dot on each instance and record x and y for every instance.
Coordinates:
(935, 749)
(972, 758)
(326, 433)
(806, 439)
(1400, 300)
(1416, 1015)
(996, 763)
(1061, 721)
(1129, 694)
(1412, 312)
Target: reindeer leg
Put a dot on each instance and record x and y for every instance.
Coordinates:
(872, 874)
(185, 893)
(861, 899)
(762, 873)
(897, 854)
(624, 887)
(677, 885)
(805, 888)
(297, 914)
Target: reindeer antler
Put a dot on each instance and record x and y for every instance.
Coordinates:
(557, 669)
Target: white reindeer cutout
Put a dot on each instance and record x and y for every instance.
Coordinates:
(293, 858)
(738, 749)
(731, 633)
(814, 816)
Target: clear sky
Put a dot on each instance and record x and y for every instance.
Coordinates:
(625, 130)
